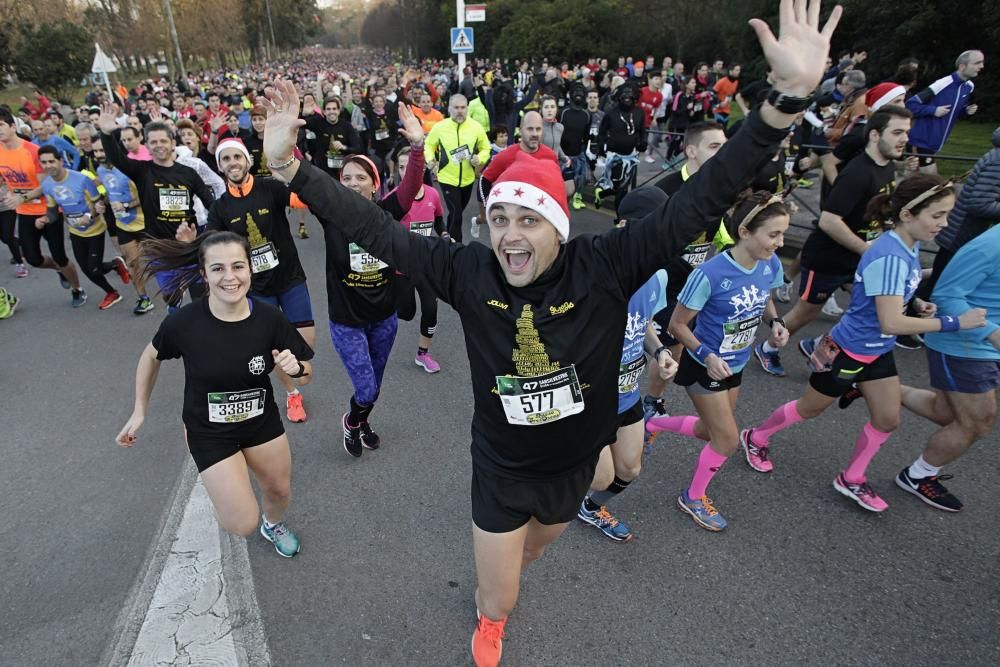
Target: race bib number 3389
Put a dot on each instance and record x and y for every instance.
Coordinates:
(235, 406)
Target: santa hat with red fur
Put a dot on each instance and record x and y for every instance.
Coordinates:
(536, 184)
(880, 95)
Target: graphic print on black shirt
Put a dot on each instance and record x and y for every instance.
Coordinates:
(227, 388)
(259, 216)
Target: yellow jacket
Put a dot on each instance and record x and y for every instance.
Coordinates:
(451, 146)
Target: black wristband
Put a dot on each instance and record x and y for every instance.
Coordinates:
(656, 354)
(779, 321)
(300, 373)
(788, 103)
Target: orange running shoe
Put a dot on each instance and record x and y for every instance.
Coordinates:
(296, 413)
(487, 642)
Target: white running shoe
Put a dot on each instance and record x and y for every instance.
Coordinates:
(832, 308)
(783, 294)
(475, 227)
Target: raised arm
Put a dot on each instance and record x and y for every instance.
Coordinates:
(111, 140)
(414, 133)
(796, 61)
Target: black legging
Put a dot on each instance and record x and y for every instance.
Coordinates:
(31, 240)
(89, 254)
(456, 199)
(406, 304)
(8, 223)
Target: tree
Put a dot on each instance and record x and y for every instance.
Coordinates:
(54, 56)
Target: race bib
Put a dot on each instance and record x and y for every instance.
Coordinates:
(232, 407)
(461, 154)
(381, 135)
(172, 199)
(543, 399)
(78, 222)
(696, 253)
(738, 335)
(422, 228)
(334, 161)
(263, 258)
(628, 375)
(362, 261)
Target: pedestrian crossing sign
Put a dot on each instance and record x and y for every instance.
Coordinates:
(461, 40)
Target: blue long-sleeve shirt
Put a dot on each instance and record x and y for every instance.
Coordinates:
(971, 280)
(70, 154)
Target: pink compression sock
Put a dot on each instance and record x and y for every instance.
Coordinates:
(683, 425)
(784, 416)
(709, 462)
(865, 447)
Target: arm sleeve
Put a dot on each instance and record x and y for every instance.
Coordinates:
(212, 180)
(287, 337)
(779, 272)
(984, 200)
(70, 150)
(962, 277)
(164, 341)
(662, 279)
(483, 144)
(636, 251)
(696, 292)
(414, 178)
(431, 144)
(214, 221)
(203, 192)
(116, 155)
(886, 276)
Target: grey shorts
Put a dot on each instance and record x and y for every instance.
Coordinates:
(965, 376)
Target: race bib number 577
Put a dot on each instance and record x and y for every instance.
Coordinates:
(531, 401)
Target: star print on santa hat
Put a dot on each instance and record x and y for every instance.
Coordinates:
(538, 181)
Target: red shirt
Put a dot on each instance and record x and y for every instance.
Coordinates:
(649, 102)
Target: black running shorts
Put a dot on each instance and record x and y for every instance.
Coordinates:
(846, 371)
(207, 450)
(502, 505)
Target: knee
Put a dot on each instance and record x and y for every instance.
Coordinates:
(980, 426)
(243, 525)
(886, 423)
(278, 493)
(531, 554)
(629, 470)
(726, 442)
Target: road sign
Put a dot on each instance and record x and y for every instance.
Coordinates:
(101, 62)
(475, 13)
(461, 40)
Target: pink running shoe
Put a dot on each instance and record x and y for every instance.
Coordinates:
(757, 455)
(862, 493)
(426, 361)
(21, 271)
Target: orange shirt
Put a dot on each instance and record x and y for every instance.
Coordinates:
(427, 120)
(725, 89)
(19, 169)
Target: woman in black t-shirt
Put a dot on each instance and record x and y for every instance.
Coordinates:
(229, 344)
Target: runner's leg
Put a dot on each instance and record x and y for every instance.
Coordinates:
(271, 464)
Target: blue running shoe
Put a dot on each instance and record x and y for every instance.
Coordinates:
(702, 511)
(602, 520)
(769, 361)
(282, 537)
(807, 346)
(79, 298)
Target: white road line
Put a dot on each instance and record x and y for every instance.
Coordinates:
(197, 605)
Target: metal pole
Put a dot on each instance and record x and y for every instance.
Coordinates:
(460, 18)
(169, 14)
(270, 23)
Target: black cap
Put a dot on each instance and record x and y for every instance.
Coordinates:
(640, 202)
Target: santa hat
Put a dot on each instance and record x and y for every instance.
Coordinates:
(232, 142)
(536, 184)
(880, 95)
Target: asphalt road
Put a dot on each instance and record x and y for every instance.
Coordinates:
(385, 576)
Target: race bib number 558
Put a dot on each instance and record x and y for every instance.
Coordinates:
(531, 401)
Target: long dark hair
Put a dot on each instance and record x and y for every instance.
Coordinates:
(185, 259)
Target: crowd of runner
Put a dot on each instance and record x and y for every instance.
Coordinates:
(203, 184)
